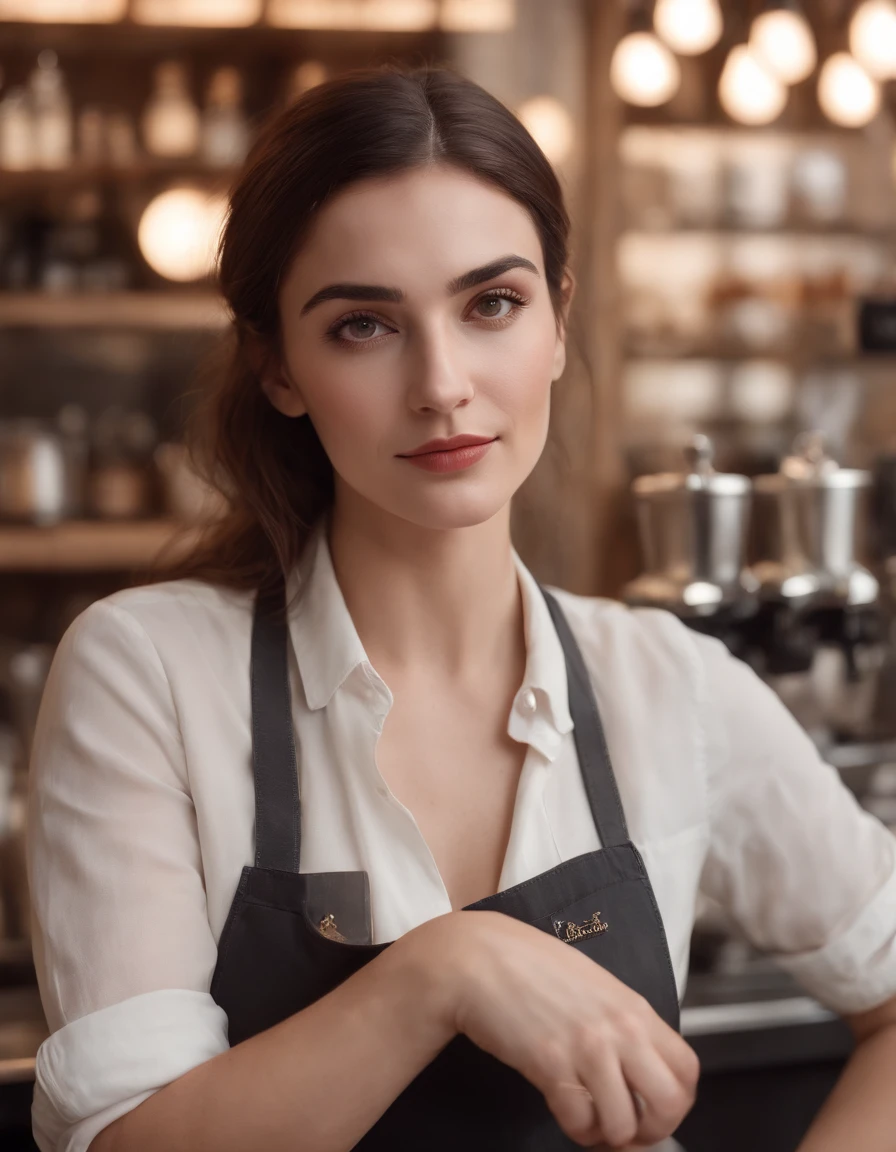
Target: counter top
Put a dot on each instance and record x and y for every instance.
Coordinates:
(758, 1017)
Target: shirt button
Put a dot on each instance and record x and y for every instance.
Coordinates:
(527, 701)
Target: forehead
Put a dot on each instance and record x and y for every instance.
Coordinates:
(417, 228)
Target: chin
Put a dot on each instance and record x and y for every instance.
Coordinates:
(450, 510)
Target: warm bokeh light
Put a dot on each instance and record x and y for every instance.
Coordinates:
(355, 15)
(477, 15)
(549, 122)
(64, 11)
(643, 71)
(782, 41)
(689, 27)
(197, 13)
(846, 93)
(178, 233)
(872, 37)
(749, 92)
(304, 77)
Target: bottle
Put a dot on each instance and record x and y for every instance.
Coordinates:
(52, 110)
(16, 131)
(303, 77)
(225, 129)
(120, 476)
(91, 136)
(171, 119)
(121, 139)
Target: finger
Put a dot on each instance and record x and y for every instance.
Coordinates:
(617, 1119)
(678, 1055)
(573, 1108)
(666, 1101)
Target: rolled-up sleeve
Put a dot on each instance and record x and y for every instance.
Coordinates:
(123, 948)
(803, 870)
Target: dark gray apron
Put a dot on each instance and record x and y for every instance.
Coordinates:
(291, 937)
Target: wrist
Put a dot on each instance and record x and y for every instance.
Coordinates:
(431, 965)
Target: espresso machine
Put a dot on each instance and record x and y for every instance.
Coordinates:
(819, 635)
(773, 567)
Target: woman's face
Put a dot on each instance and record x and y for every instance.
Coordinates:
(384, 353)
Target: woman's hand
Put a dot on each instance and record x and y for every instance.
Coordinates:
(611, 1071)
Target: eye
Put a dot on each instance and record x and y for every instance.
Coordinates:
(495, 300)
(359, 325)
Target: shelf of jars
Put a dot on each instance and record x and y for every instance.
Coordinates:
(169, 310)
(87, 545)
(112, 19)
(734, 180)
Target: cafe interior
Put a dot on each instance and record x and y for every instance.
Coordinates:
(722, 442)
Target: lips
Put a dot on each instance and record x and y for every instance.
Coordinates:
(465, 441)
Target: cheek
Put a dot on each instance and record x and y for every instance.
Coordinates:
(347, 419)
(345, 401)
(521, 382)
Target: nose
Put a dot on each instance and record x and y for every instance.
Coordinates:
(439, 380)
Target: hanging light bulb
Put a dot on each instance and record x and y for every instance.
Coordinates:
(782, 40)
(689, 27)
(872, 37)
(749, 93)
(178, 232)
(846, 93)
(643, 71)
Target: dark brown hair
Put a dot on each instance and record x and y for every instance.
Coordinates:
(272, 469)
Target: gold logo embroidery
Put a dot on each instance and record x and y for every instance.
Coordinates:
(570, 932)
(328, 928)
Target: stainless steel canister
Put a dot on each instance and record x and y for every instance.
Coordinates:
(693, 532)
(813, 516)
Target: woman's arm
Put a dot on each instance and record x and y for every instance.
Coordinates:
(861, 1111)
(125, 953)
(316, 1082)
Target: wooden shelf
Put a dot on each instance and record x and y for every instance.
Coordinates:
(148, 168)
(726, 354)
(786, 230)
(149, 310)
(87, 545)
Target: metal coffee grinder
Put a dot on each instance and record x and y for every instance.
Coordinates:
(817, 637)
(693, 529)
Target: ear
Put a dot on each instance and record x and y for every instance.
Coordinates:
(568, 287)
(275, 381)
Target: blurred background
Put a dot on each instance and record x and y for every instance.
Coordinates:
(723, 441)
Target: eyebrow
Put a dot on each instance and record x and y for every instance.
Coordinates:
(347, 291)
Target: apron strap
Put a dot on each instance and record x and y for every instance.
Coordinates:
(588, 732)
(278, 809)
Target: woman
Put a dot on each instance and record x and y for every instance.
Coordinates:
(235, 810)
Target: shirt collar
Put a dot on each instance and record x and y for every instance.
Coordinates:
(326, 642)
(328, 647)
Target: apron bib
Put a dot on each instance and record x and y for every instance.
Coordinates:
(288, 938)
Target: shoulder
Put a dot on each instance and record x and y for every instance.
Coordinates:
(174, 624)
(168, 607)
(651, 644)
(649, 682)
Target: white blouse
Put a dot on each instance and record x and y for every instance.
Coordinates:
(141, 814)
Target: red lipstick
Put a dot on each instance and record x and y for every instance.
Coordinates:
(449, 455)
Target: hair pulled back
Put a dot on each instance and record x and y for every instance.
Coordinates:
(271, 469)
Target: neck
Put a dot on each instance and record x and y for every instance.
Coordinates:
(440, 601)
